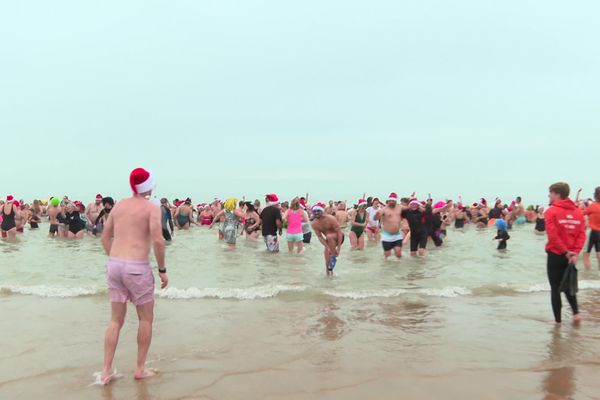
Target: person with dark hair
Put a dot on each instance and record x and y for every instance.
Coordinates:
(592, 212)
(565, 228)
(108, 203)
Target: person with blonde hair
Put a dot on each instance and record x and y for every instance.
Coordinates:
(231, 220)
(295, 217)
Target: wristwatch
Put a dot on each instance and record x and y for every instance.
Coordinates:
(162, 271)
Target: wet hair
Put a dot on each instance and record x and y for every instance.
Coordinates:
(108, 200)
(241, 204)
(404, 200)
(188, 201)
(250, 206)
(597, 194)
(560, 188)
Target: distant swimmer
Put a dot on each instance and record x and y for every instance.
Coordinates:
(592, 212)
(133, 227)
(329, 233)
(9, 213)
(358, 225)
(502, 234)
(295, 217)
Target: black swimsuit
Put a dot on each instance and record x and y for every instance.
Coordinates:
(8, 222)
(75, 222)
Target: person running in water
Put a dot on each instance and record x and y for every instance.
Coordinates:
(416, 214)
(231, 220)
(295, 217)
(133, 227)
(272, 223)
(358, 224)
(565, 228)
(9, 213)
(391, 232)
(328, 232)
(592, 212)
(166, 218)
(373, 224)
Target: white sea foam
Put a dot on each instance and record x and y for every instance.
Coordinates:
(251, 293)
(51, 291)
(450, 291)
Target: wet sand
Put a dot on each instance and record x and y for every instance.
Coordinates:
(409, 347)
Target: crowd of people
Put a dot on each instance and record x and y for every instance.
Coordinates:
(395, 222)
(130, 228)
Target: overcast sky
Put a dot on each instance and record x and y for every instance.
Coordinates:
(336, 98)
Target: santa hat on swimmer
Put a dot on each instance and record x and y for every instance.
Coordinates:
(319, 207)
(393, 197)
(362, 202)
(10, 197)
(272, 199)
(141, 181)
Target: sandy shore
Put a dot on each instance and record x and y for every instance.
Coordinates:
(479, 348)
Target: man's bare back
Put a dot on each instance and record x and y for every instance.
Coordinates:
(132, 227)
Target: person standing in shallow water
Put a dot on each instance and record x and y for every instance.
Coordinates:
(565, 228)
(329, 233)
(134, 225)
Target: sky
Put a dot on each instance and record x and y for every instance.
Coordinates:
(334, 98)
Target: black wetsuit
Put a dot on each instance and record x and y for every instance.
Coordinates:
(75, 222)
(557, 264)
(8, 220)
(418, 231)
(459, 223)
(436, 229)
(503, 237)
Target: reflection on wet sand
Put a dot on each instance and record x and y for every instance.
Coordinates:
(559, 383)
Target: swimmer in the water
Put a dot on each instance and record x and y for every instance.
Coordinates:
(502, 234)
(391, 223)
(373, 233)
(358, 224)
(329, 233)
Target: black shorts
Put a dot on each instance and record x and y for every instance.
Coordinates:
(594, 241)
(418, 240)
(307, 237)
(53, 228)
(387, 246)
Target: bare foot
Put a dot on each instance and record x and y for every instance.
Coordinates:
(106, 377)
(576, 319)
(145, 374)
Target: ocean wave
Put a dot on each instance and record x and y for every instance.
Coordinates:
(450, 291)
(251, 293)
(51, 291)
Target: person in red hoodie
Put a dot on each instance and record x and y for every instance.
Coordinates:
(565, 227)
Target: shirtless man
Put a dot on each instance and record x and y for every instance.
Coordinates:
(53, 212)
(329, 233)
(21, 217)
(341, 215)
(391, 221)
(92, 211)
(132, 228)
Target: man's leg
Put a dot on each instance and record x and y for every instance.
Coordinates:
(398, 249)
(146, 317)
(111, 338)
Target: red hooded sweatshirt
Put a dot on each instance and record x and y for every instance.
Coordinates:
(565, 227)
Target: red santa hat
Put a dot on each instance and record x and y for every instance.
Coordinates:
(318, 207)
(393, 197)
(141, 181)
(272, 198)
(483, 201)
(414, 202)
(99, 196)
(302, 204)
(10, 197)
(362, 202)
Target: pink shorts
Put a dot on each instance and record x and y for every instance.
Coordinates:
(129, 280)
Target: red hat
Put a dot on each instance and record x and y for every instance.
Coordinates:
(483, 201)
(318, 207)
(392, 197)
(141, 181)
(99, 196)
(302, 204)
(10, 197)
(362, 202)
(16, 203)
(272, 198)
